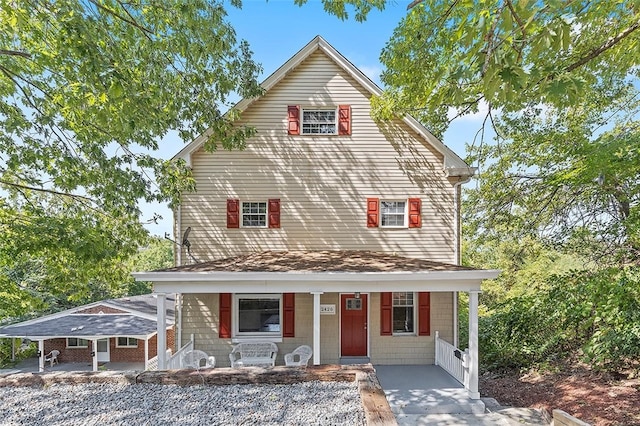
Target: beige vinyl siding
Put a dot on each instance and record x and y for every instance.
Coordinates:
(322, 181)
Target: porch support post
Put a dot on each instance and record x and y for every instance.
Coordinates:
(146, 352)
(41, 357)
(162, 332)
(316, 327)
(95, 354)
(473, 345)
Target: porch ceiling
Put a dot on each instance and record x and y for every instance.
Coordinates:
(316, 271)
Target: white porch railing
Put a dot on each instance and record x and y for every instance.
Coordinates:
(452, 360)
(152, 364)
(174, 362)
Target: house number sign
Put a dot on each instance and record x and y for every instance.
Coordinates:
(327, 309)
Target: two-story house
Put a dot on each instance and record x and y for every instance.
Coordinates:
(329, 229)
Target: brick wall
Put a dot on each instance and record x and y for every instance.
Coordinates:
(116, 354)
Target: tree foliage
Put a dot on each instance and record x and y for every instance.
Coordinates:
(88, 89)
(448, 58)
(593, 316)
(566, 177)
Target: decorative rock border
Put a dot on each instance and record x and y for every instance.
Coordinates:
(374, 401)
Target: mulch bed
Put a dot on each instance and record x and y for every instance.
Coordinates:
(601, 400)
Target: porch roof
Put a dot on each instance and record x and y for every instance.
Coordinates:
(311, 271)
(318, 261)
(84, 326)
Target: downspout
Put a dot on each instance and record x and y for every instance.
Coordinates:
(457, 255)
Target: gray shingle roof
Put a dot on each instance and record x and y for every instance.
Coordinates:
(84, 326)
(71, 324)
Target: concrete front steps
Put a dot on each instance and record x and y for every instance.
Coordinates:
(494, 415)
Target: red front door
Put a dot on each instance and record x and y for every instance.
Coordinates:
(353, 317)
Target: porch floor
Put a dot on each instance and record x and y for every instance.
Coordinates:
(30, 365)
(417, 390)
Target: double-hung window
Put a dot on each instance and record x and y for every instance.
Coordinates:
(254, 214)
(319, 122)
(390, 213)
(74, 342)
(403, 313)
(258, 314)
(393, 214)
(127, 342)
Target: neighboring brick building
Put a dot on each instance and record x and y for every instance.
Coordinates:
(115, 330)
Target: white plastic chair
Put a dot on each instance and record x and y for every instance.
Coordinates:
(52, 357)
(299, 357)
(195, 358)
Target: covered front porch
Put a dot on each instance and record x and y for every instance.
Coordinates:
(312, 276)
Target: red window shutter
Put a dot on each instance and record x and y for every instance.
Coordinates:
(424, 314)
(294, 119)
(289, 311)
(274, 213)
(373, 209)
(415, 213)
(233, 213)
(224, 331)
(344, 119)
(386, 314)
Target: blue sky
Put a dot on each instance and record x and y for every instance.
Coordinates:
(277, 29)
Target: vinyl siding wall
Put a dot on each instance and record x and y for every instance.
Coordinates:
(322, 181)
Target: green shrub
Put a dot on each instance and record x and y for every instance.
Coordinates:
(592, 314)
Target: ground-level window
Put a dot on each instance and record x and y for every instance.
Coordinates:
(258, 314)
(393, 214)
(403, 313)
(322, 121)
(127, 342)
(74, 342)
(254, 214)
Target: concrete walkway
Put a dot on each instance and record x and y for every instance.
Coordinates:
(428, 395)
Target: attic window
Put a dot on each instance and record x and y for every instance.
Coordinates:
(319, 122)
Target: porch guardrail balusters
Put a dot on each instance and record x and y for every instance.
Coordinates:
(452, 360)
(174, 362)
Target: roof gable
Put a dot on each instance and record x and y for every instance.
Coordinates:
(453, 164)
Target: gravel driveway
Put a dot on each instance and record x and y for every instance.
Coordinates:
(309, 403)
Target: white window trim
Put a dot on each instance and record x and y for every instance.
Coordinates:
(77, 346)
(266, 214)
(118, 345)
(257, 336)
(406, 212)
(335, 120)
(415, 317)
